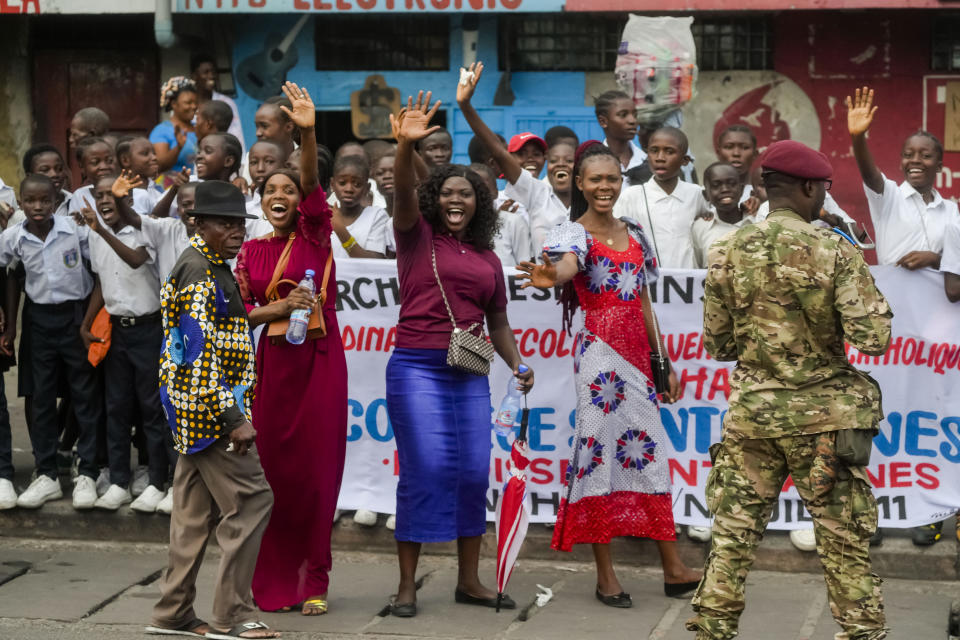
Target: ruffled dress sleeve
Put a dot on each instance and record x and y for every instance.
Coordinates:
(649, 256)
(567, 237)
(242, 274)
(315, 223)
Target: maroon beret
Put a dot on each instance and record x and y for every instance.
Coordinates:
(796, 159)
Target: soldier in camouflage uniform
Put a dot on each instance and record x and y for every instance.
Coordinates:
(780, 298)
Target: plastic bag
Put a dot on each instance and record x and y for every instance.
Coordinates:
(657, 64)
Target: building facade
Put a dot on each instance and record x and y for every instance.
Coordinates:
(782, 67)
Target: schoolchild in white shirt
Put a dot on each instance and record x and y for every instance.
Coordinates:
(359, 231)
(137, 155)
(547, 204)
(512, 243)
(131, 296)
(722, 188)
(909, 219)
(52, 250)
(96, 159)
(47, 160)
(665, 205)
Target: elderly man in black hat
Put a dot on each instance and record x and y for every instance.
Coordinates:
(207, 374)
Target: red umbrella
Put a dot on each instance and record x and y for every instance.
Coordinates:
(512, 516)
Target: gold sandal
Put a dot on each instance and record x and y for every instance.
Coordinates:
(314, 607)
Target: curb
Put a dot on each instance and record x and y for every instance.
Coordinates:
(896, 558)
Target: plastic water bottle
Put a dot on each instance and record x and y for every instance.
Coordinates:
(510, 406)
(299, 319)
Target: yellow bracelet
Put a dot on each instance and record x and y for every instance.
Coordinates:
(349, 244)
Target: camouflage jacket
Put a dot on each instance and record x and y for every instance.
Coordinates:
(780, 298)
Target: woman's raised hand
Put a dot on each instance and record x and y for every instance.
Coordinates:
(413, 121)
(469, 78)
(541, 276)
(304, 113)
(860, 111)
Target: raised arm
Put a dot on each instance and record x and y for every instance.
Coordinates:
(549, 274)
(304, 115)
(162, 208)
(468, 84)
(133, 257)
(122, 186)
(860, 112)
(409, 126)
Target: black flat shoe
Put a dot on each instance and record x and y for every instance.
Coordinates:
(679, 589)
(405, 610)
(620, 601)
(465, 598)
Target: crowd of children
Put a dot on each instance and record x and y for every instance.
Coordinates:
(101, 249)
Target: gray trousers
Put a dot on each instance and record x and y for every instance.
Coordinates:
(208, 485)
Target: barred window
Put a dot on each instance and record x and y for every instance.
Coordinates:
(537, 42)
(361, 43)
(946, 44)
(725, 44)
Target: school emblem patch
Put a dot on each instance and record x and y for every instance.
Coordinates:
(71, 258)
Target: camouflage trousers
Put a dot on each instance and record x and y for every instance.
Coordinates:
(744, 483)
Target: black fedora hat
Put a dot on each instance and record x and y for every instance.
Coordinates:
(218, 198)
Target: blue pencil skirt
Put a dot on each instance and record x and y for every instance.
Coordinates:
(441, 421)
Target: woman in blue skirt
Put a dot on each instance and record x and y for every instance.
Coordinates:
(444, 229)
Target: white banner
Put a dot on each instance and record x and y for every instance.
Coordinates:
(914, 464)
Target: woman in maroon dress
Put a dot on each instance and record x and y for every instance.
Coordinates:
(300, 406)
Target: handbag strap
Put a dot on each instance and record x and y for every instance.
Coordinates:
(653, 313)
(277, 278)
(653, 233)
(271, 292)
(436, 274)
(446, 303)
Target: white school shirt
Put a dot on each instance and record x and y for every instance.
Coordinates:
(146, 198)
(544, 208)
(389, 239)
(8, 195)
(126, 291)
(520, 210)
(80, 198)
(261, 226)
(706, 232)
(950, 261)
(829, 205)
(904, 222)
(636, 159)
(669, 221)
(54, 266)
(369, 230)
(166, 238)
(512, 243)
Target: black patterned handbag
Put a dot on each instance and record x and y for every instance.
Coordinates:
(467, 351)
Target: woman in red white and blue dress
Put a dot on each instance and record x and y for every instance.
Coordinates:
(617, 482)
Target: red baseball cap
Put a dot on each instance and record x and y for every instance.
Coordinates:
(521, 139)
(796, 159)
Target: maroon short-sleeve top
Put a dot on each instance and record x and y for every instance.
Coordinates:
(472, 279)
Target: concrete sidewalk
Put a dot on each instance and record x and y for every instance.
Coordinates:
(97, 591)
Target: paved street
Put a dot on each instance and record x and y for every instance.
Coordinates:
(105, 591)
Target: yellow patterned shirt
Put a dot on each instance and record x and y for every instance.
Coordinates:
(780, 298)
(207, 367)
